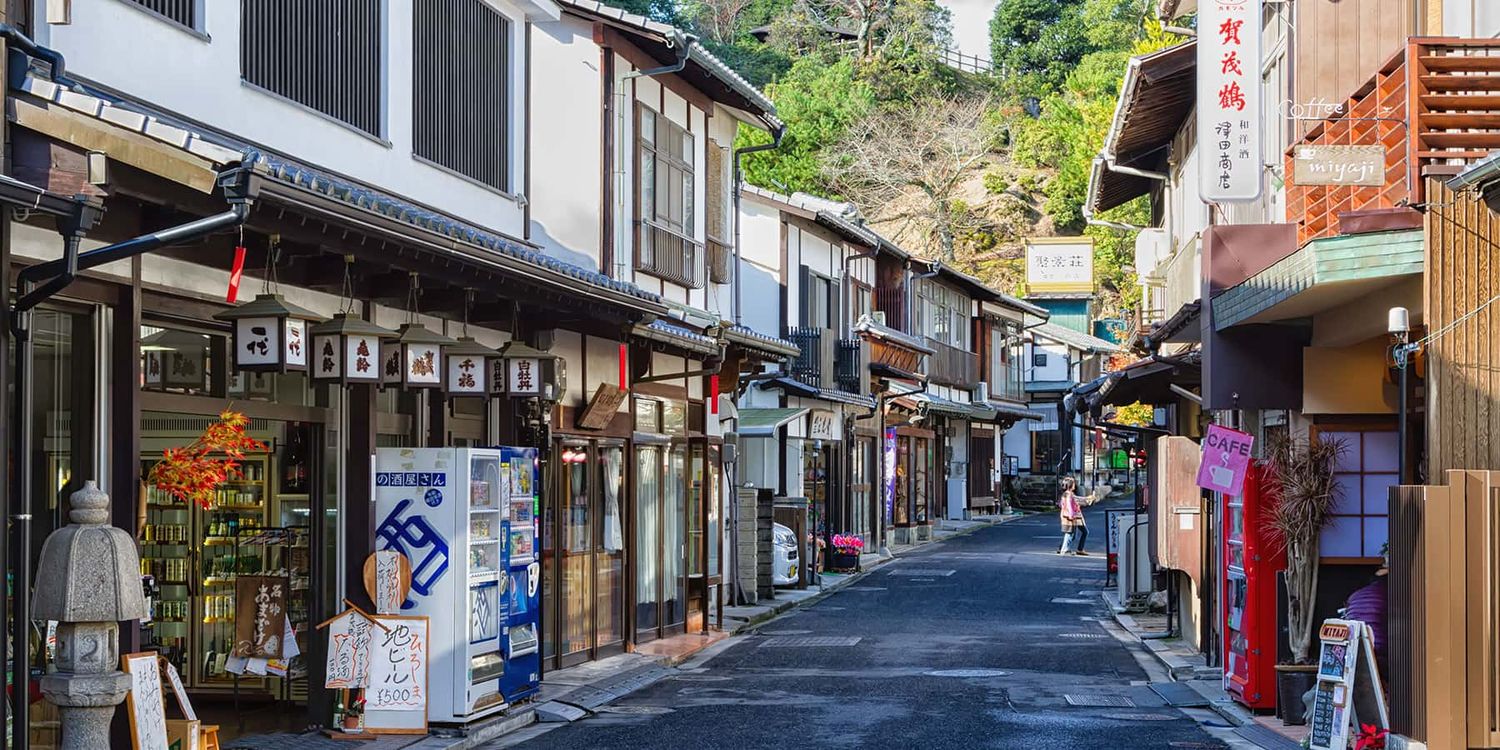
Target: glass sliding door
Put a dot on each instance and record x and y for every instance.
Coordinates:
(648, 541)
(609, 553)
(674, 538)
(576, 556)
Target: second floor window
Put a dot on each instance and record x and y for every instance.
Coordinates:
(461, 88)
(184, 12)
(864, 301)
(667, 246)
(818, 300)
(322, 54)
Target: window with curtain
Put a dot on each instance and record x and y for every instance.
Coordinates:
(817, 300)
(648, 537)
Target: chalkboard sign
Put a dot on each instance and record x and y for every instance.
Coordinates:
(144, 704)
(1348, 692)
(1322, 718)
(396, 699)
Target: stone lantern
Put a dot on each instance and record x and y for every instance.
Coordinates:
(90, 582)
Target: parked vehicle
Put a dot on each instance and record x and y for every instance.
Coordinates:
(784, 557)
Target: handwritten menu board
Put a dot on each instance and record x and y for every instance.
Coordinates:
(396, 699)
(1323, 714)
(148, 713)
(259, 614)
(389, 592)
(349, 640)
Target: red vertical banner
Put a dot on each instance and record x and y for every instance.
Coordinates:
(624, 366)
(713, 394)
(236, 271)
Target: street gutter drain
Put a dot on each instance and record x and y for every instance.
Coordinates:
(921, 572)
(1082, 635)
(785, 632)
(1094, 700)
(967, 673)
(810, 641)
(637, 710)
(1068, 600)
(1142, 717)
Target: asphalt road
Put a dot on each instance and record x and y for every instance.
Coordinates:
(979, 641)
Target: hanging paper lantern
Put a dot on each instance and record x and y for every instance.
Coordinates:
(418, 359)
(270, 334)
(469, 367)
(531, 372)
(347, 350)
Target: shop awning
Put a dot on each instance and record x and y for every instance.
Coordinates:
(1049, 386)
(1182, 328)
(942, 406)
(1324, 274)
(765, 422)
(1075, 339)
(803, 390)
(1148, 381)
(866, 326)
(1009, 412)
(1156, 97)
(767, 346)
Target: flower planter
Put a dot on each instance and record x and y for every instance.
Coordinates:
(843, 561)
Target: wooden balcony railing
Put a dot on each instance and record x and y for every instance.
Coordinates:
(950, 365)
(1437, 101)
(892, 302)
(814, 366)
(852, 368)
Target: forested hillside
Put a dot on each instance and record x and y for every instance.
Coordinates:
(955, 165)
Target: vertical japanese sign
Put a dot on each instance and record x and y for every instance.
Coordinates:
(1229, 100)
(889, 460)
(260, 609)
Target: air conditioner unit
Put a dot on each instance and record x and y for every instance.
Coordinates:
(982, 392)
(878, 316)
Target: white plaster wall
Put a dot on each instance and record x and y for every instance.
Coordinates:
(566, 142)
(1056, 367)
(760, 265)
(116, 45)
(1016, 442)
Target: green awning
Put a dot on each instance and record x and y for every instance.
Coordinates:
(1324, 274)
(765, 422)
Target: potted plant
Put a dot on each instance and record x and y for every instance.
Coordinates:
(352, 715)
(1301, 493)
(846, 551)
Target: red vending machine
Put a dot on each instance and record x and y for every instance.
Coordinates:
(1251, 562)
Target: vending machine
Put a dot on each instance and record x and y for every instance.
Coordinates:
(1251, 562)
(523, 660)
(445, 510)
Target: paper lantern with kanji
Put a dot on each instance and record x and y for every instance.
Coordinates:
(270, 334)
(418, 361)
(347, 350)
(469, 367)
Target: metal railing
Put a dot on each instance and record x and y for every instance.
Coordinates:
(809, 365)
(670, 255)
(851, 366)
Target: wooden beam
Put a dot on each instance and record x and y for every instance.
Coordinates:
(122, 145)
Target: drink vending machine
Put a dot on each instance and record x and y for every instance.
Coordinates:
(1251, 564)
(448, 510)
(523, 658)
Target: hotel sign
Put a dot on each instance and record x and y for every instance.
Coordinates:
(1229, 100)
(1361, 166)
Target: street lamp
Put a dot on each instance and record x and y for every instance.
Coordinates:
(1398, 323)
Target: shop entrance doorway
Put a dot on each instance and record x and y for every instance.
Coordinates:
(583, 553)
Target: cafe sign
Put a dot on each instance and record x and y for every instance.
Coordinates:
(1361, 166)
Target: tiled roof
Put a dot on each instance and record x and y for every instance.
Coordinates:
(1075, 339)
(840, 217)
(667, 333)
(803, 390)
(696, 52)
(867, 324)
(762, 342)
(221, 151)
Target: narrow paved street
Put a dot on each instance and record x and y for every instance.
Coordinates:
(985, 640)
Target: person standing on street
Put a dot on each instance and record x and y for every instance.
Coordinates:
(1067, 511)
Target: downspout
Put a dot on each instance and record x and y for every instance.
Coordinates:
(34, 285)
(17, 64)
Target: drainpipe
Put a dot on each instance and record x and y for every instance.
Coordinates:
(24, 44)
(34, 285)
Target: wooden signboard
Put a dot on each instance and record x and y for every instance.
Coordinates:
(387, 575)
(259, 616)
(602, 407)
(350, 636)
(396, 700)
(143, 704)
(1362, 166)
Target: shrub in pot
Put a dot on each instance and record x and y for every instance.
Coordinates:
(1301, 493)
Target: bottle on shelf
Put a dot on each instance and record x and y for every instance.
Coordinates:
(294, 462)
(211, 658)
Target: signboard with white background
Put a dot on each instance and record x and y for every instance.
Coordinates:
(1229, 100)
(1061, 264)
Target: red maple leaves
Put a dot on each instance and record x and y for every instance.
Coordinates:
(194, 472)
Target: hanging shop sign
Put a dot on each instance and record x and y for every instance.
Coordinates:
(347, 350)
(417, 358)
(259, 616)
(821, 425)
(1225, 459)
(1229, 100)
(270, 334)
(532, 372)
(602, 407)
(1361, 166)
(469, 368)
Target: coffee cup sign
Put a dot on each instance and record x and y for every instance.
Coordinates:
(1226, 456)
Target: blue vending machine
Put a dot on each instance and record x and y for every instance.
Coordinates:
(520, 639)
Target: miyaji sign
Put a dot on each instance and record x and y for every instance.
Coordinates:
(1229, 100)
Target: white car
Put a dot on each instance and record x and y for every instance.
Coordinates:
(783, 556)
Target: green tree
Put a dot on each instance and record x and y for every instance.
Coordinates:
(818, 99)
(1036, 44)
